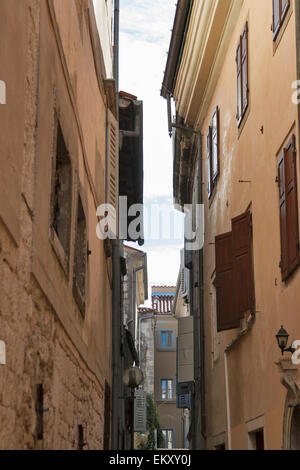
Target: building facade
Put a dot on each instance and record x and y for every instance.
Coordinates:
(55, 274)
(165, 385)
(232, 70)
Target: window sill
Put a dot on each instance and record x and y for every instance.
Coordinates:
(59, 251)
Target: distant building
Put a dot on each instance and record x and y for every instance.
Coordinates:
(165, 337)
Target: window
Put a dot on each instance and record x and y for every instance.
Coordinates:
(288, 206)
(80, 260)
(166, 387)
(234, 273)
(280, 8)
(166, 339)
(168, 438)
(242, 76)
(213, 152)
(62, 192)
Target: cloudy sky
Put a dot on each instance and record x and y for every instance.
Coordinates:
(145, 32)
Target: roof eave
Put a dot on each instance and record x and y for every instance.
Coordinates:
(176, 45)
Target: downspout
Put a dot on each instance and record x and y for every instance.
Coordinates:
(116, 282)
(228, 412)
(201, 303)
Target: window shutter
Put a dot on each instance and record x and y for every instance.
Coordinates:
(112, 167)
(242, 264)
(209, 163)
(239, 82)
(283, 217)
(215, 145)
(288, 203)
(226, 318)
(276, 16)
(140, 411)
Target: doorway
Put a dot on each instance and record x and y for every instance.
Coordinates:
(295, 429)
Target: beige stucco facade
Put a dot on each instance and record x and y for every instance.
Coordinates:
(50, 61)
(254, 399)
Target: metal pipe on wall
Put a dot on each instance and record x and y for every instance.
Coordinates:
(116, 281)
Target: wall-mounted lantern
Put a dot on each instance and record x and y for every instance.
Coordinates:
(282, 340)
(133, 377)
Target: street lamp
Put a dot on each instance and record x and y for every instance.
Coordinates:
(133, 377)
(282, 340)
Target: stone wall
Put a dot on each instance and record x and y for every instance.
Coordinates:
(70, 358)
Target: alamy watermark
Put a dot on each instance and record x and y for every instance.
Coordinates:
(296, 355)
(154, 222)
(2, 92)
(296, 94)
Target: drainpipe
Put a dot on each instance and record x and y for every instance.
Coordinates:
(116, 285)
(227, 401)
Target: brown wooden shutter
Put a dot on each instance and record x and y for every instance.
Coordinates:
(242, 264)
(226, 317)
(239, 82)
(283, 218)
(209, 163)
(288, 203)
(244, 46)
(215, 144)
(112, 164)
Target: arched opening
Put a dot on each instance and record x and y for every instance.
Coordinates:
(295, 429)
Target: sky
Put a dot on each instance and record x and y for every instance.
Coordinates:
(145, 33)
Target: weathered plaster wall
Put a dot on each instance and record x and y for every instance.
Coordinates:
(254, 382)
(47, 340)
